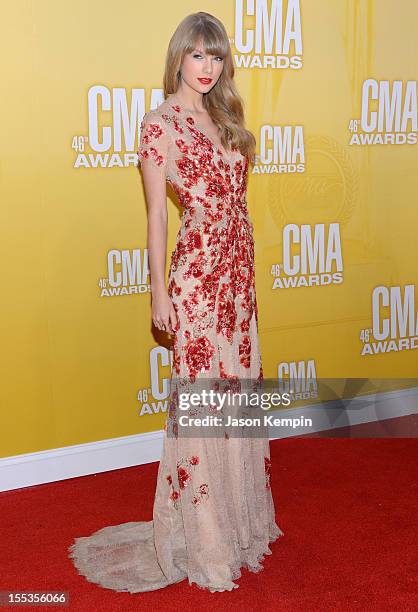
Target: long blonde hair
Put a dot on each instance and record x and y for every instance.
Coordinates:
(223, 101)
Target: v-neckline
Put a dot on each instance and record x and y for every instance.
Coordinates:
(197, 123)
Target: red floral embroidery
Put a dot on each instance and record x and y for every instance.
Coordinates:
(173, 120)
(151, 152)
(245, 325)
(183, 474)
(151, 132)
(174, 495)
(227, 315)
(192, 240)
(245, 351)
(184, 477)
(211, 279)
(181, 143)
(267, 469)
(201, 494)
(172, 408)
(196, 266)
(198, 354)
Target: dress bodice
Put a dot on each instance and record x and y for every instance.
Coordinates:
(202, 175)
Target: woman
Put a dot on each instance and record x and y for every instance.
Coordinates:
(213, 509)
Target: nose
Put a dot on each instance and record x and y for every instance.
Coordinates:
(208, 69)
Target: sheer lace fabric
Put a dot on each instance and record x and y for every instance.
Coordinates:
(213, 509)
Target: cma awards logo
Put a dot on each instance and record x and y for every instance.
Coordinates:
(394, 321)
(298, 379)
(312, 257)
(268, 34)
(114, 120)
(127, 273)
(388, 114)
(282, 150)
(153, 399)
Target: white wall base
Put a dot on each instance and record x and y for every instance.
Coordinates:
(79, 460)
(95, 457)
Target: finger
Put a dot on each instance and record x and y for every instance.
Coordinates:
(172, 321)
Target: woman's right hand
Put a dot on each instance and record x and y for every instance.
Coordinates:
(164, 315)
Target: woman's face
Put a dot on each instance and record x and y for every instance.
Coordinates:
(201, 71)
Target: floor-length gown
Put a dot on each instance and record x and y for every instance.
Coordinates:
(213, 509)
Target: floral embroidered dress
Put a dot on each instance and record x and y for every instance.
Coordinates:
(213, 509)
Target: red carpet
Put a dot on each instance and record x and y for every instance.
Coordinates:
(348, 507)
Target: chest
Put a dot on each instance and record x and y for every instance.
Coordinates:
(189, 141)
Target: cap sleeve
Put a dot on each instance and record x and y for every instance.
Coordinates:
(153, 142)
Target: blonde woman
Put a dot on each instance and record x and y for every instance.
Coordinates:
(213, 509)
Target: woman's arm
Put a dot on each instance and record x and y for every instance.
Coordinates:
(156, 199)
(152, 154)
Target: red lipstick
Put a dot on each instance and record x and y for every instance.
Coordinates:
(205, 81)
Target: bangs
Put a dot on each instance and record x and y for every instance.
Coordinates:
(209, 40)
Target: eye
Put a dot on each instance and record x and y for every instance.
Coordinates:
(220, 58)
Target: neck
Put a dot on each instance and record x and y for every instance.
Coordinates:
(189, 99)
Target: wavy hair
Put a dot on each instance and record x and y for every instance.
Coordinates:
(222, 102)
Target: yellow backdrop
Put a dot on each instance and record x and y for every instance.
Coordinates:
(330, 94)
